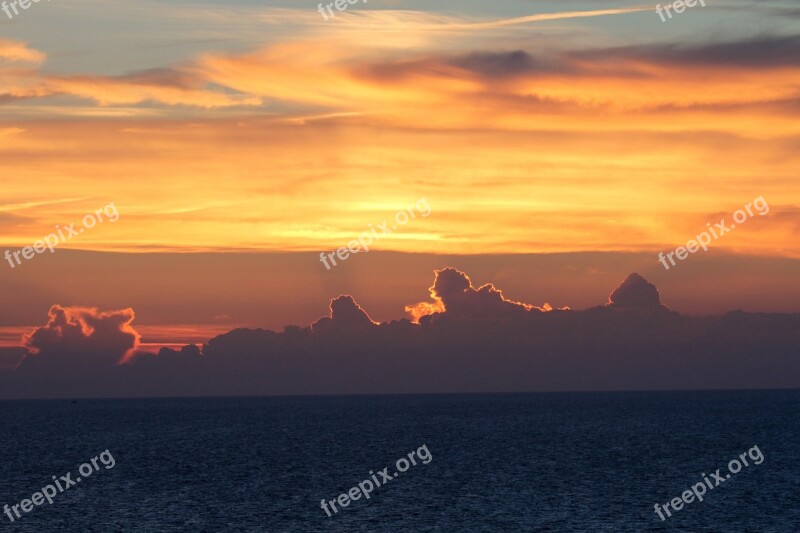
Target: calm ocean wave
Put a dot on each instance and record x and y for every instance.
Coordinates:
(528, 462)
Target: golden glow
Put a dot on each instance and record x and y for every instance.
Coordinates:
(301, 145)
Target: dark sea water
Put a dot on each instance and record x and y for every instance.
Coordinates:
(527, 462)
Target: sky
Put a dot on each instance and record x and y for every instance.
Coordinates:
(558, 146)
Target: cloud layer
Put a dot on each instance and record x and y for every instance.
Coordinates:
(477, 340)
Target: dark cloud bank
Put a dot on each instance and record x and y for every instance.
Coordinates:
(468, 339)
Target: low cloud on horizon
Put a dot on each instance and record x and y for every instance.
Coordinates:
(467, 339)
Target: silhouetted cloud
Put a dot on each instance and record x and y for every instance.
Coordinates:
(346, 314)
(77, 336)
(635, 293)
(469, 340)
(455, 296)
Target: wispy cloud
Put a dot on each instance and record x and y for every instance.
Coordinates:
(19, 52)
(543, 17)
(18, 206)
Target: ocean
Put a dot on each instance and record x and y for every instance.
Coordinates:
(560, 462)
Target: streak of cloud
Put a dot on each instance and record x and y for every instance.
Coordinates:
(543, 17)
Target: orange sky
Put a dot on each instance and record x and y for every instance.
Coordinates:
(527, 128)
(300, 144)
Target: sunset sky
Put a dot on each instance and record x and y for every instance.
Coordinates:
(584, 128)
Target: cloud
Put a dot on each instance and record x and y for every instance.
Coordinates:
(498, 65)
(175, 86)
(19, 52)
(345, 315)
(81, 336)
(479, 342)
(542, 17)
(741, 87)
(752, 53)
(635, 293)
(456, 297)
